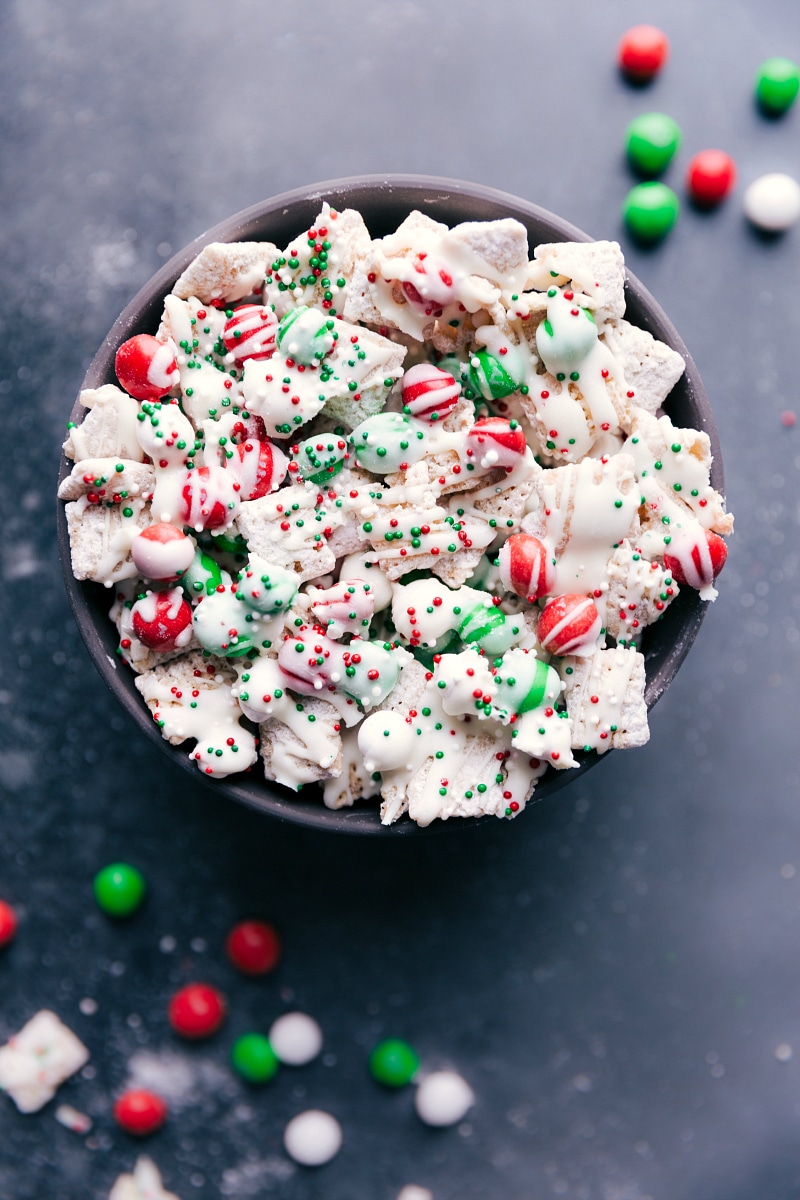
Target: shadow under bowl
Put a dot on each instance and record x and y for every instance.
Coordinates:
(384, 201)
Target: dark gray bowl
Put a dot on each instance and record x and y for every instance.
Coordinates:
(384, 200)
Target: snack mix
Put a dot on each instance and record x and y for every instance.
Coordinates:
(393, 514)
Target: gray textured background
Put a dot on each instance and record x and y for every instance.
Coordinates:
(612, 972)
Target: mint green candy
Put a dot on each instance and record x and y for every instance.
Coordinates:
(651, 141)
(254, 1059)
(777, 85)
(650, 210)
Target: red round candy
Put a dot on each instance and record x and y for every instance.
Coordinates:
(8, 923)
(711, 175)
(146, 368)
(250, 333)
(526, 566)
(259, 467)
(140, 1112)
(642, 52)
(162, 551)
(253, 947)
(210, 496)
(569, 624)
(697, 562)
(197, 1010)
(162, 620)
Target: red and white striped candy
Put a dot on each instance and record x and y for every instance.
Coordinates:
(162, 552)
(146, 368)
(569, 625)
(429, 392)
(347, 607)
(526, 566)
(163, 620)
(696, 560)
(210, 498)
(433, 284)
(496, 443)
(250, 332)
(259, 466)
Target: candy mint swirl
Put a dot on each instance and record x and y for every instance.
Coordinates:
(488, 378)
(266, 587)
(320, 458)
(486, 626)
(524, 683)
(306, 336)
(386, 442)
(567, 335)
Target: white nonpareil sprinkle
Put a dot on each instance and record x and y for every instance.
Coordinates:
(412, 1192)
(443, 1098)
(313, 1138)
(772, 202)
(783, 1053)
(70, 1118)
(296, 1039)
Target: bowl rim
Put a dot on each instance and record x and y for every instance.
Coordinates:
(252, 224)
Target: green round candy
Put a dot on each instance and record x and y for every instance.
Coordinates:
(650, 210)
(393, 1063)
(253, 1057)
(652, 140)
(777, 84)
(119, 889)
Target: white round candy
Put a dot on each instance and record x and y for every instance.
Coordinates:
(313, 1137)
(296, 1039)
(443, 1098)
(386, 741)
(773, 202)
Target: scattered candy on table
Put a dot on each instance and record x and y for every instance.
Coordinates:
(443, 1098)
(143, 1184)
(296, 1039)
(313, 1138)
(412, 1192)
(140, 1112)
(777, 85)
(710, 177)
(37, 1059)
(651, 142)
(119, 889)
(197, 1010)
(393, 1062)
(788, 419)
(650, 211)
(254, 1059)
(8, 924)
(772, 202)
(642, 53)
(253, 947)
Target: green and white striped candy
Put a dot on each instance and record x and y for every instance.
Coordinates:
(487, 377)
(305, 335)
(320, 458)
